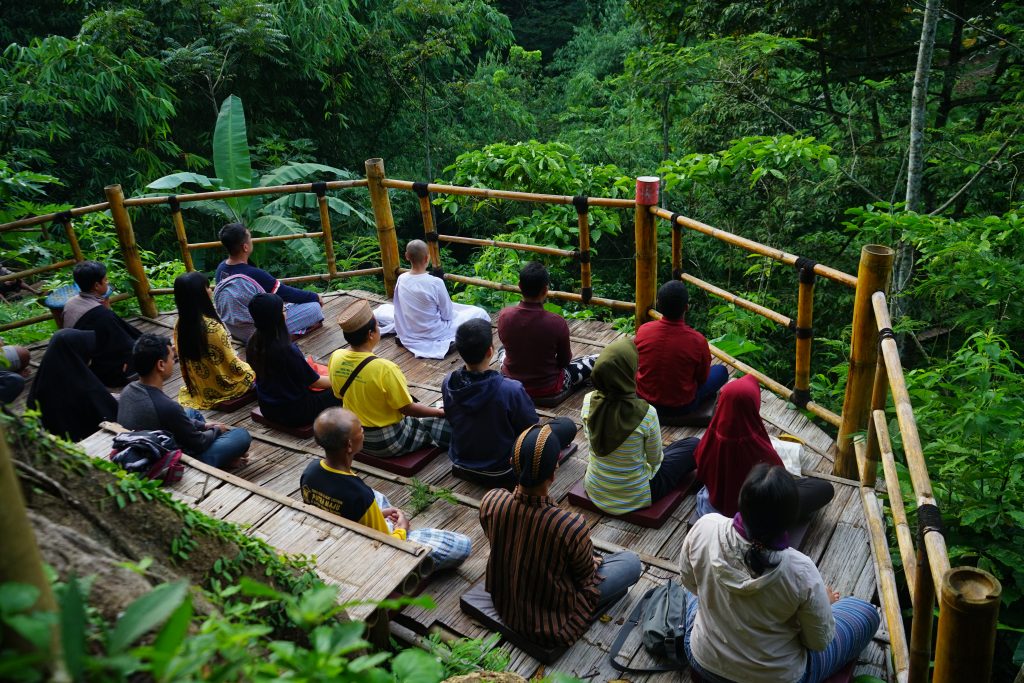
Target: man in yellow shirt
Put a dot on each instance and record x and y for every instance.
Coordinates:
(331, 485)
(376, 391)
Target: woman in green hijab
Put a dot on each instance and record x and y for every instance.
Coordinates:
(628, 470)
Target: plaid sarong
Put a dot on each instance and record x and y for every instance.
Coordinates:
(301, 317)
(410, 434)
(449, 549)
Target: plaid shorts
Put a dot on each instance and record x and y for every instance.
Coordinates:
(411, 434)
(448, 548)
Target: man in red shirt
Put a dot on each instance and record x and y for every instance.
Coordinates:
(675, 373)
(537, 351)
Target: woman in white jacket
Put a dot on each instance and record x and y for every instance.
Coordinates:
(757, 610)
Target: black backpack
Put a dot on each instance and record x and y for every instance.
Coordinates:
(150, 454)
(661, 616)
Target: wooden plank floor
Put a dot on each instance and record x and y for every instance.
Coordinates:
(837, 539)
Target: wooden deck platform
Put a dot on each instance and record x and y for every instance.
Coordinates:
(837, 539)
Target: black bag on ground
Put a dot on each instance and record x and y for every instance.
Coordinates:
(661, 615)
(150, 454)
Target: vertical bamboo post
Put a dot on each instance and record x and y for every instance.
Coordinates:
(872, 276)
(20, 560)
(646, 236)
(429, 231)
(386, 235)
(179, 231)
(69, 230)
(677, 248)
(872, 451)
(921, 625)
(325, 225)
(583, 222)
(804, 336)
(966, 639)
(130, 250)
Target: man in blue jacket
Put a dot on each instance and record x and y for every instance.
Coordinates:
(488, 411)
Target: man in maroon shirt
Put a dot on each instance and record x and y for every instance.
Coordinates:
(537, 351)
(675, 373)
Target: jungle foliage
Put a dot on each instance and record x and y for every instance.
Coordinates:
(784, 122)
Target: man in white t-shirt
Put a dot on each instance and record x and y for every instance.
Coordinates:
(425, 318)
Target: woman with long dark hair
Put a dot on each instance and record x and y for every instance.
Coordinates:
(72, 400)
(212, 370)
(758, 611)
(288, 389)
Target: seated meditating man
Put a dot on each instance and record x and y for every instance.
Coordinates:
(425, 319)
(376, 391)
(536, 342)
(238, 281)
(487, 411)
(675, 373)
(331, 485)
(543, 576)
(89, 310)
(143, 405)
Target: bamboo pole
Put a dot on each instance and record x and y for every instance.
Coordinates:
(179, 231)
(756, 247)
(966, 639)
(739, 301)
(385, 223)
(429, 231)
(325, 225)
(646, 240)
(536, 248)
(506, 194)
(904, 535)
(887, 591)
(69, 230)
(921, 625)
(244, 192)
(613, 304)
(25, 322)
(804, 336)
(327, 277)
(36, 271)
(583, 223)
(130, 250)
(51, 217)
(20, 560)
(879, 396)
(872, 276)
(259, 240)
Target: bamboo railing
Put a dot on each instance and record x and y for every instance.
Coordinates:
(968, 598)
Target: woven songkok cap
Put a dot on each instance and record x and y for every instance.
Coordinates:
(536, 455)
(355, 317)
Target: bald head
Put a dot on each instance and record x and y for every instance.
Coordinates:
(416, 252)
(336, 430)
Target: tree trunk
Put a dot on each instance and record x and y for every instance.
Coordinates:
(915, 165)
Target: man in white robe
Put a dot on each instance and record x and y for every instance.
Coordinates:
(425, 318)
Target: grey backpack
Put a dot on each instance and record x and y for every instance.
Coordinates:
(661, 616)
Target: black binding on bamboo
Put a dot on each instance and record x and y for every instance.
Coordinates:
(580, 202)
(320, 188)
(587, 293)
(673, 220)
(62, 217)
(804, 332)
(430, 237)
(437, 272)
(800, 398)
(421, 189)
(886, 333)
(807, 276)
(583, 256)
(173, 203)
(677, 274)
(792, 325)
(928, 519)
(803, 263)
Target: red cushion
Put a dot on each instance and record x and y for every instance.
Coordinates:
(233, 404)
(406, 465)
(305, 432)
(653, 517)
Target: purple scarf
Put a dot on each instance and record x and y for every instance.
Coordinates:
(780, 543)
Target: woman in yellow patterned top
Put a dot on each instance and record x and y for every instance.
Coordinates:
(212, 370)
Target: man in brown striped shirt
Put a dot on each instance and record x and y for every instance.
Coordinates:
(543, 575)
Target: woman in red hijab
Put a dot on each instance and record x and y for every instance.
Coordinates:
(735, 441)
